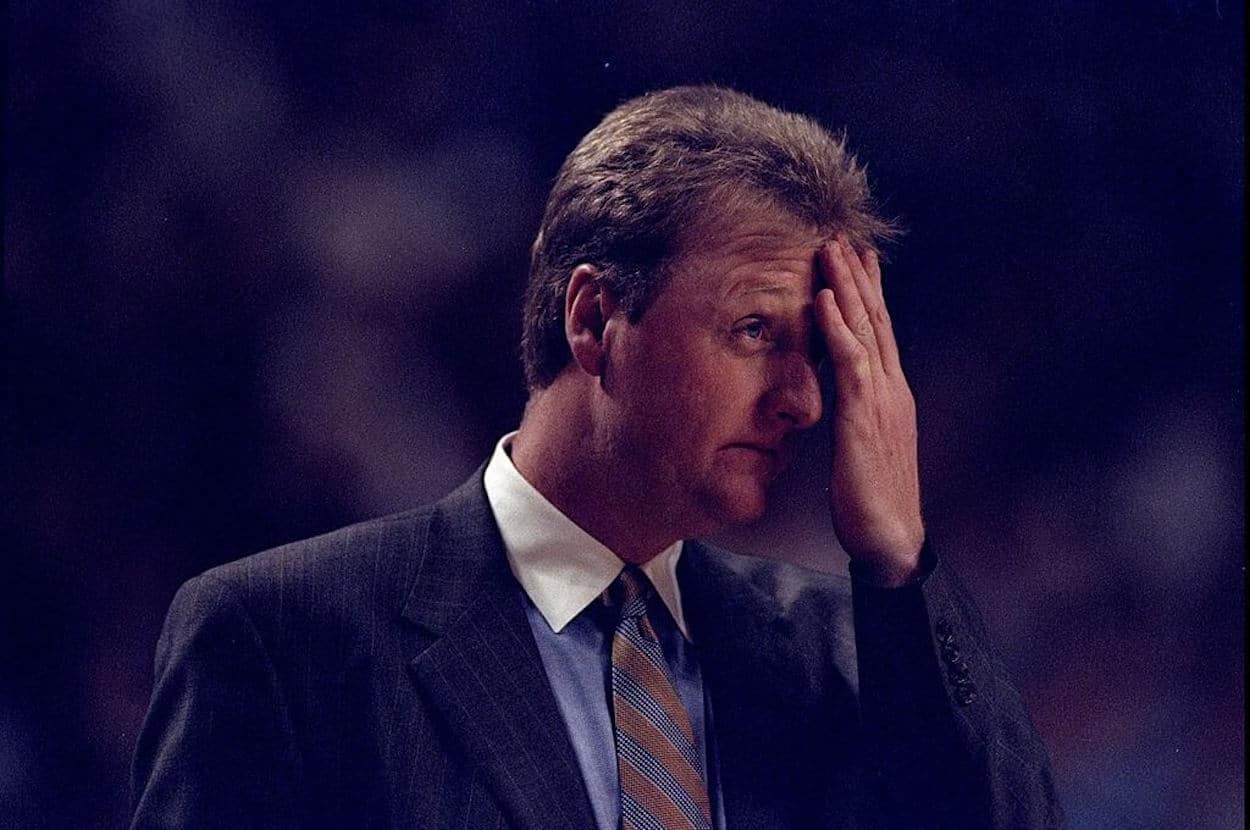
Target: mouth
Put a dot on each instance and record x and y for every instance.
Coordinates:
(770, 453)
(763, 449)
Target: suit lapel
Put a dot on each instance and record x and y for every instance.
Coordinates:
(756, 686)
(483, 674)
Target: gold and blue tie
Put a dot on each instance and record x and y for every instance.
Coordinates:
(662, 786)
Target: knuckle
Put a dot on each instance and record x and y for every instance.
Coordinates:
(854, 375)
(861, 367)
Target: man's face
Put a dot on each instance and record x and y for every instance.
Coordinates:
(705, 392)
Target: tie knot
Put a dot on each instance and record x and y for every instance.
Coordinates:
(629, 593)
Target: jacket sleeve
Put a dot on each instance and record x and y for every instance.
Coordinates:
(216, 748)
(950, 742)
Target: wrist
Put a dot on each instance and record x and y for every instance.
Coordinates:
(895, 571)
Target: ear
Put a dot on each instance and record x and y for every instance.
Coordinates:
(588, 305)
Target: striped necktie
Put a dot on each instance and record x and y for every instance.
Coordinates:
(662, 786)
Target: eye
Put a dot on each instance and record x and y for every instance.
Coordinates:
(752, 328)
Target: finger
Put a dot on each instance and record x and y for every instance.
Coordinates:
(852, 371)
(840, 277)
(887, 346)
(869, 285)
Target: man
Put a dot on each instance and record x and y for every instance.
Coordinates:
(548, 647)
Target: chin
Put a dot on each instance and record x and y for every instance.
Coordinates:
(740, 505)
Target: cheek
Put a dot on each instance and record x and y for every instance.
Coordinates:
(717, 409)
(690, 396)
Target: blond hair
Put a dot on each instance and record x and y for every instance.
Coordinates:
(661, 165)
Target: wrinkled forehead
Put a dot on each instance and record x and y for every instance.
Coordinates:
(724, 211)
(746, 240)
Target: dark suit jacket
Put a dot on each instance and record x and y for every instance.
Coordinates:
(385, 676)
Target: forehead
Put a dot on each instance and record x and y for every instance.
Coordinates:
(747, 250)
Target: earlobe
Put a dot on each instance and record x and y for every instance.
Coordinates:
(587, 308)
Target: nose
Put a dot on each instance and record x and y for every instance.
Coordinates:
(795, 395)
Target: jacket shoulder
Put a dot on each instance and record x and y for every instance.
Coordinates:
(377, 556)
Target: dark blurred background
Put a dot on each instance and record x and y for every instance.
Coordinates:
(262, 269)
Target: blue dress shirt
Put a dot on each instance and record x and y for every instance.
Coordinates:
(578, 661)
(562, 571)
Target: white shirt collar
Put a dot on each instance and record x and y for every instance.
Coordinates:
(559, 565)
